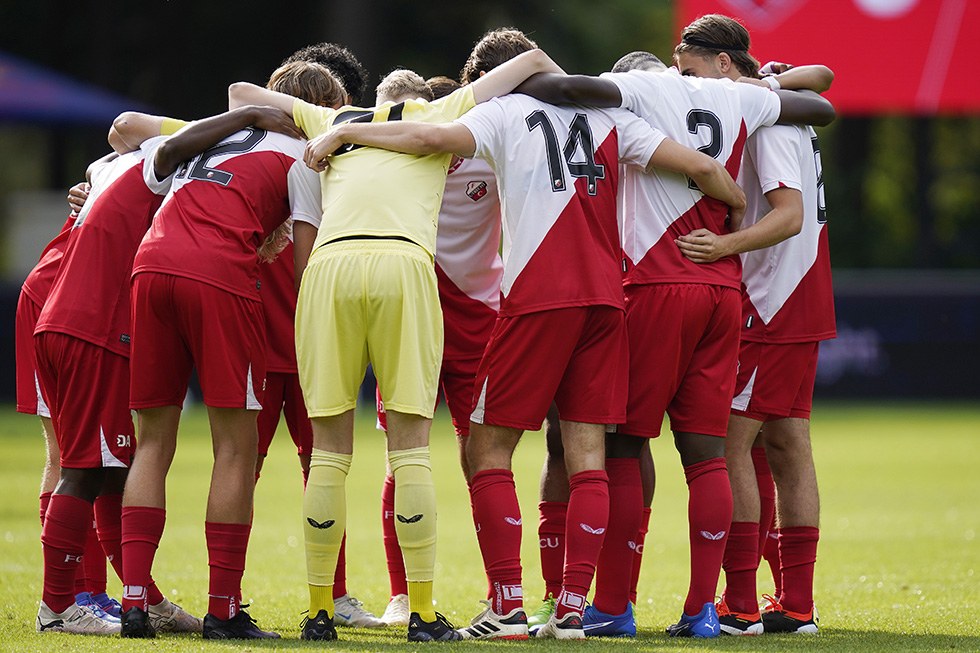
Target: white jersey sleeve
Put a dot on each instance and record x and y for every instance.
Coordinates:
(640, 90)
(149, 149)
(304, 193)
(482, 122)
(760, 107)
(637, 140)
(775, 154)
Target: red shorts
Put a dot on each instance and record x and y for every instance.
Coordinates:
(179, 323)
(683, 342)
(87, 389)
(29, 398)
(283, 395)
(775, 381)
(576, 357)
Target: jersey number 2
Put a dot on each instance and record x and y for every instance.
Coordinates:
(197, 168)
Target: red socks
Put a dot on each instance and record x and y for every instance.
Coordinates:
(615, 574)
(797, 556)
(142, 528)
(227, 545)
(767, 496)
(393, 552)
(638, 554)
(709, 512)
(771, 554)
(551, 540)
(66, 525)
(497, 516)
(108, 522)
(585, 529)
(93, 564)
(741, 563)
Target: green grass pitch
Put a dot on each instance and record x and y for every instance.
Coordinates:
(897, 567)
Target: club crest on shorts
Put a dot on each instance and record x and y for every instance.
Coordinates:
(476, 190)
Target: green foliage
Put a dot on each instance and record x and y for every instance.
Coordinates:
(897, 568)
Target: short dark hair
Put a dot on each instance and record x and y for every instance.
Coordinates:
(639, 60)
(441, 86)
(494, 48)
(341, 62)
(308, 81)
(712, 34)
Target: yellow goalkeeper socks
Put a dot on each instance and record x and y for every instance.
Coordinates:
(415, 523)
(325, 520)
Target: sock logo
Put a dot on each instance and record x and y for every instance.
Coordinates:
(134, 592)
(512, 521)
(409, 520)
(574, 601)
(632, 545)
(548, 543)
(708, 535)
(389, 514)
(71, 558)
(320, 524)
(589, 529)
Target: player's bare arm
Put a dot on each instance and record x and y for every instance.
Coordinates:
(401, 136)
(199, 136)
(572, 89)
(241, 94)
(304, 235)
(710, 176)
(131, 128)
(815, 77)
(505, 77)
(804, 108)
(785, 220)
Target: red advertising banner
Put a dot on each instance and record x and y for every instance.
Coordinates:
(889, 56)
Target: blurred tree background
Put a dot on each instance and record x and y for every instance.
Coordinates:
(902, 192)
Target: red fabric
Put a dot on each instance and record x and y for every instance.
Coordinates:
(227, 545)
(615, 572)
(497, 516)
(551, 540)
(393, 552)
(638, 554)
(767, 496)
(66, 525)
(940, 80)
(142, 528)
(709, 513)
(741, 563)
(585, 529)
(43, 502)
(771, 553)
(797, 556)
(340, 574)
(108, 522)
(93, 564)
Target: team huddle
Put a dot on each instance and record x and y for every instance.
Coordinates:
(664, 251)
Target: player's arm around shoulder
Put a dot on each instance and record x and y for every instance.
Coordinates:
(504, 78)
(399, 136)
(710, 176)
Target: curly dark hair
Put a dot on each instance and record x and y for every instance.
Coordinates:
(341, 62)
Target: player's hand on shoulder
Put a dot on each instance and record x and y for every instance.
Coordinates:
(275, 120)
(77, 195)
(320, 148)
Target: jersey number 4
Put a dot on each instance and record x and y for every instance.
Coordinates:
(579, 138)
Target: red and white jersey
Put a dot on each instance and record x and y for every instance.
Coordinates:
(37, 285)
(90, 298)
(222, 205)
(468, 264)
(788, 295)
(711, 115)
(278, 293)
(558, 171)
